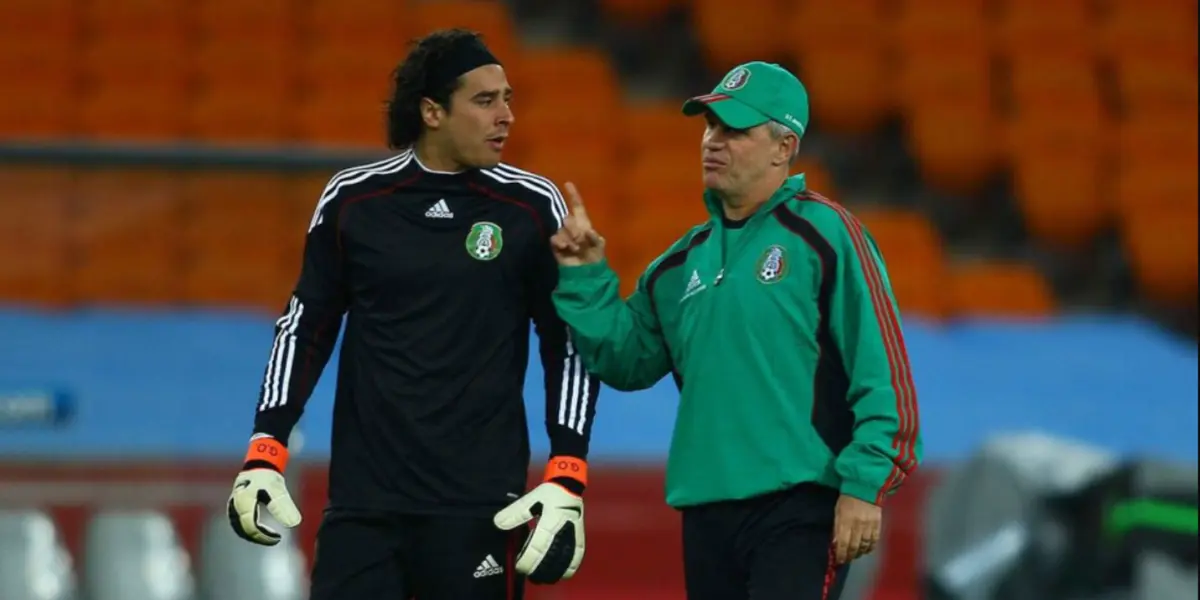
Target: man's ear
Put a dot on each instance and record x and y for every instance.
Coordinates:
(785, 148)
(793, 147)
(431, 113)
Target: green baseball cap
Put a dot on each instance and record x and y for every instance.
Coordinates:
(754, 93)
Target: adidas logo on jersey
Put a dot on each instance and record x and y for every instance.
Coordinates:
(439, 210)
(694, 286)
(488, 567)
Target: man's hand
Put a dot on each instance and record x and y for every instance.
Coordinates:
(576, 242)
(856, 528)
(554, 549)
(261, 482)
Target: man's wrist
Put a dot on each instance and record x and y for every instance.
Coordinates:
(569, 472)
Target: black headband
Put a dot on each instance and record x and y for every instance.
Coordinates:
(466, 55)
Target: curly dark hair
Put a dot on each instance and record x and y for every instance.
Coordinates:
(410, 85)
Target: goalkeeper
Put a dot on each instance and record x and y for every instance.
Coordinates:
(797, 415)
(438, 258)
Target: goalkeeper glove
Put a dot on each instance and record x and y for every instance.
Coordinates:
(261, 482)
(554, 550)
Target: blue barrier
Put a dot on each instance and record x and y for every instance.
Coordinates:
(183, 384)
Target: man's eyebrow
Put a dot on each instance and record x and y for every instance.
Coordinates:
(492, 93)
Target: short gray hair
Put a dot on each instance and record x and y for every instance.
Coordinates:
(778, 130)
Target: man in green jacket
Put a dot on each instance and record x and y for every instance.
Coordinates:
(798, 414)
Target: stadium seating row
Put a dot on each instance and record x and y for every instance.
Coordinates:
(235, 238)
(235, 72)
(1089, 107)
(315, 71)
(215, 70)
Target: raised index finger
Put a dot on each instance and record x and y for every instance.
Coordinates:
(575, 203)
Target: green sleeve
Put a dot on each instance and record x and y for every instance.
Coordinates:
(865, 326)
(620, 341)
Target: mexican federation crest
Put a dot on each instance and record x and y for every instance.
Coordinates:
(772, 266)
(737, 79)
(485, 241)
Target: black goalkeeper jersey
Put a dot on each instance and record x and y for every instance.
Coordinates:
(438, 277)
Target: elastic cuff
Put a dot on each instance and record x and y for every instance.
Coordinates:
(266, 452)
(567, 467)
(583, 271)
(864, 492)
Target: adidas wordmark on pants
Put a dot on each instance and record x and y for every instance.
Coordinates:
(488, 567)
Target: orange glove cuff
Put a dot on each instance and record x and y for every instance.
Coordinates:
(567, 466)
(268, 450)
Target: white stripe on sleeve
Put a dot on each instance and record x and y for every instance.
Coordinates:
(279, 368)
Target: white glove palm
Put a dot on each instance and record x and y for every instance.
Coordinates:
(554, 550)
(252, 488)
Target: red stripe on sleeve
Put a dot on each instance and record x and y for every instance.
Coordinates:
(902, 383)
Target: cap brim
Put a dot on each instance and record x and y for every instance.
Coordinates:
(732, 112)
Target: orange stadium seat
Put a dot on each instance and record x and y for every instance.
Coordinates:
(349, 51)
(44, 80)
(545, 124)
(238, 22)
(1150, 85)
(490, 18)
(1165, 29)
(351, 22)
(257, 285)
(33, 244)
(225, 206)
(565, 93)
(957, 145)
(135, 70)
(816, 176)
(666, 186)
(1147, 186)
(955, 70)
(945, 23)
(639, 11)
(952, 10)
(731, 33)
(245, 71)
(1085, 129)
(241, 101)
(1156, 167)
(1056, 98)
(914, 256)
(558, 72)
(661, 198)
(842, 53)
(303, 191)
(1038, 27)
(347, 113)
(999, 289)
(233, 239)
(1160, 242)
(653, 128)
(39, 42)
(125, 233)
(1035, 81)
(1158, 138)
(594, 178)
(1060, 195)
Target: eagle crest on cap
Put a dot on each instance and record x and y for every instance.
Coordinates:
(736, 79)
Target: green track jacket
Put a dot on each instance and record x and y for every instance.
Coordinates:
(783, 336)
